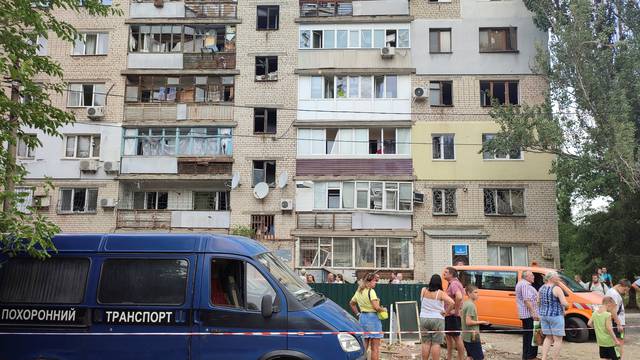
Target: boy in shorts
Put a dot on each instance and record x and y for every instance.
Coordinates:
(471, 325)
(602, 324)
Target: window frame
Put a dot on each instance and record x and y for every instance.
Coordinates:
(82, 95)
(510, 246)
(264, 167)
(484, 94)
(441, 86)
(384, 204)
(171, 143)
(269, 9)
(443, 194)
(92, 146)
(216, 200)
(350, 43)
(442, 146)
(30, 152)
(156, 195)
(266, 60)
(320, 243)
(264, 220)
(263, 112)
(493, 156)
(494, 196)
(511, 33)
(439, 31)
(86, 209)
(100, 36)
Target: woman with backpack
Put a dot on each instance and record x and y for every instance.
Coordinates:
(433, 301)
(368, 302)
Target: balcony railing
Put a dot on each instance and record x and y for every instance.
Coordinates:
(325, 221)
(322, 8)
(220, 60)
(153, 112)
(171, 219)
(219, 9)
(144, 219)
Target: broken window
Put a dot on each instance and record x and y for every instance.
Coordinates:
(443, 146)
(78, 200)
(150, 200)
(444, 201)
(181, 89)
(498, 39)
(82, 146)
(441, 93)
(504, 202)
(439, 41)
(515, 154)
(375, 198)
(501, 91)
(85, 95)
(341, 86)
(328, 87)
(391, 38)
(403, 38)
(391, 196)
(264, 121)
(264, 226)
(211, 200)
(268, 17)
(333, 195)
(266, 68)
(91, 44)
(317, 39)
(339, 252)
(264, 171)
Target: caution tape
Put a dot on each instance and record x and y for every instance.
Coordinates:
(282, 333)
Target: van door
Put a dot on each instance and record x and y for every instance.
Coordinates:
(150, 293)
(497, 302)
(230, 301)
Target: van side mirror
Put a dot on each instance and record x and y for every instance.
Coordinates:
(267, 306)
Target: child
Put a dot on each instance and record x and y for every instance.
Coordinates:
(601, 322)
(471, 325)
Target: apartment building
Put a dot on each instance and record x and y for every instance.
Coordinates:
(479, 208)
(354, 173)
(346, 134)
(83, 164)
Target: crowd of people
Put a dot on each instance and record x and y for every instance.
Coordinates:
(446, 317)
(395, 278)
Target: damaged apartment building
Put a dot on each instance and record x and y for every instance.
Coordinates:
(345, 135)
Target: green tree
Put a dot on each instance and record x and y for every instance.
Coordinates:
(28, 81)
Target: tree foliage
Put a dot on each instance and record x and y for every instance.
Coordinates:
(32, 79)
(592, 117)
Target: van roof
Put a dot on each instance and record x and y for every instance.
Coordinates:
(158, 242)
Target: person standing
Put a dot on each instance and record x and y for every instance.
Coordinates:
(606, 277)
(578, 279)
(432, 302)
(596, 285)
(616, 293)
(339, 279)
(331, 278)
(551, 305)
(366, 299)
(397, 279)
(471, 325)
(526, 296)
(602, 325)
(452, 321)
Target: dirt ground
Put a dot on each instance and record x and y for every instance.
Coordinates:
(508, 347)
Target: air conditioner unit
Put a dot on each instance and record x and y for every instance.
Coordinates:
(108, 202)
(418, 198)
(89, 165)
(420, 93)
(42, 201)
(111, 166)
(286, 204)
(387, 52)
(95, 112)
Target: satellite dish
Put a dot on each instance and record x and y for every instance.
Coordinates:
(282, 180)
(261, 190)
(235, 181)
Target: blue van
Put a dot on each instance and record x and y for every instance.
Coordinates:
(165, 296)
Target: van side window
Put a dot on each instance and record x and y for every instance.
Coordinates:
(499, 280)
(143, 281)
(231, 280)
(57, 280)
(471, 277)
(226, 283)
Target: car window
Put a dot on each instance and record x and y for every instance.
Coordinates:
(237, 284)
(490, 280)
(257, 287)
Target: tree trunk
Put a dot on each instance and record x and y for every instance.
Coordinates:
(10, 162)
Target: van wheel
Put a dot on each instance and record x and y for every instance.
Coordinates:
(576, 330)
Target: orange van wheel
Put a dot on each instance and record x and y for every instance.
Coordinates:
(576, 329)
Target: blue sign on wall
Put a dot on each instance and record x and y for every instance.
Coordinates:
(460, 249)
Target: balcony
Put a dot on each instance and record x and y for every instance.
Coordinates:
(207, 9)
(172, 219)
(336, 8)
(347, 221)
(156, 113)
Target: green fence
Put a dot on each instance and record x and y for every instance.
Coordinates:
(388, 293)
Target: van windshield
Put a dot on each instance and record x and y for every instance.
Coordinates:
(286, 277)
(572, 284)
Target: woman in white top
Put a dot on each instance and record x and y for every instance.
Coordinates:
(433, 301)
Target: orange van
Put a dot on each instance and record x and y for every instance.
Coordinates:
(497, 302)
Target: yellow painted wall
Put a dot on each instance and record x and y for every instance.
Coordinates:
(469, 164)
